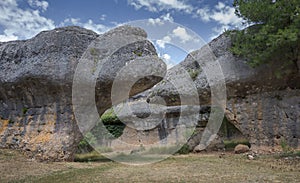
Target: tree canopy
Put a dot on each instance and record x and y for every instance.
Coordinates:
(273, 34)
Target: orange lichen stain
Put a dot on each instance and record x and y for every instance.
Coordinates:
(51, 123)
(41, 138)
(3, 125)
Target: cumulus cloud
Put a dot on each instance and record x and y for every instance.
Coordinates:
(160, 21)
(18, 23)
(161, 42)
(160, 5)
(38, 4)
(223, 15)
(177, 35)
(204, 14)
(182, 34)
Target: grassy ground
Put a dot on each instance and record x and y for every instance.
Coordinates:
(182, 168)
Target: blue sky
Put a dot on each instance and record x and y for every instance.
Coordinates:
(23, 19)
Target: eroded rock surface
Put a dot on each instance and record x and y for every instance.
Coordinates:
(263, 102)
(36, 111)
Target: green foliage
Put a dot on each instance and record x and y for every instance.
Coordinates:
(184, 149)
(138, 52)
(93, 52)
(109, 117)
(275, 34)
(285, 147)
(110, 128)
(112, 123)
(24, 111)
(193, 73)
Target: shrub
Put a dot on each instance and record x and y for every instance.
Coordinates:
(285, 147)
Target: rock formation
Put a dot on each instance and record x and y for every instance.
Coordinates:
(263, 102)
(36, 110)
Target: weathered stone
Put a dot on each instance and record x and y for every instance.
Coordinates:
(241, 148)
(216, 144)
(267, 118)
(36, 111)
(240, 79)
(263, 102)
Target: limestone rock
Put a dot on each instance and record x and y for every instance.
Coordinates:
(36, 110)
(240, 79)
(261, 104)
(267, 118)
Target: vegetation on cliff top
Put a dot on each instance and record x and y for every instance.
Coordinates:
(274, 34)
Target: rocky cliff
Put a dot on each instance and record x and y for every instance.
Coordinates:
(262, 102)
(36, 110)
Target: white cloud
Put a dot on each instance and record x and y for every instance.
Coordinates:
(161, 42)
(223, 15)
(182, 34)
(167, 59)
(160, 5)
(178, 34)
(160, 21)
(103, 17)
(38, 4)
(204, 14)
(21, 24)
(5, 38)
(98, 28)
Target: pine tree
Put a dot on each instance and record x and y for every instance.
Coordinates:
(274, 34)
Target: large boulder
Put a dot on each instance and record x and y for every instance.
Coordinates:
(36, 110)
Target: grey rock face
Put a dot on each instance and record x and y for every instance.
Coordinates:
(36, 110)
(263, 102)
(267, 119)
(240, 79)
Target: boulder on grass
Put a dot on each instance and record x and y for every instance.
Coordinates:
(241, 148)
